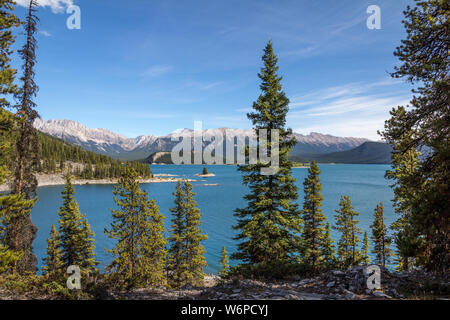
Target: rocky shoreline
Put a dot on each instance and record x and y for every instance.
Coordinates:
(58, 179)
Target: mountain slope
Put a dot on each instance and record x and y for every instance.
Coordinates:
(106, 142)
(367, 153)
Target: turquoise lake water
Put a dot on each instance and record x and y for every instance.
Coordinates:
(365, 184)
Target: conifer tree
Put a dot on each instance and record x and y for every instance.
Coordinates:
(347, 225)
(21, 232)
(327, 248)
(88, 247)
(176, 262)
(365, 258)
(53, 263)
(380, 238)
(186, 253)
(77, 240)
(195, 259)
(270, 224)
(313, 219)
(10, 204)
(407, 185)
(16, 230)
(426, 65)
(8, 21)
(138, 228)
(224, 262)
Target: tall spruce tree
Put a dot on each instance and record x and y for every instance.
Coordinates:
(21, 231)
(269, 226)
(347, 225)
(138, 228)
(186, 253)
(195, 259)
(407, 185)
(53, 262)
(313, 219)
(365, 258)
(426, 65)
(381, 240)
(176, 262)
(77, 239)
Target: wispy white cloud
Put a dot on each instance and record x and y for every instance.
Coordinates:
(45, 33)
(157, 70)
(244, 110)
(354, 109)
(203, 85)
(57, 6)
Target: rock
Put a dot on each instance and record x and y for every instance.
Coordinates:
(237, 290)
(331, 284)
(350, 295)
(380, 294)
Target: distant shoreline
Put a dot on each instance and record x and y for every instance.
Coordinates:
(46, 180)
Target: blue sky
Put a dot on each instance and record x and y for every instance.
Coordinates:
(150, 67)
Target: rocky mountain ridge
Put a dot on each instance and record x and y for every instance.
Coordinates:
(107, 142)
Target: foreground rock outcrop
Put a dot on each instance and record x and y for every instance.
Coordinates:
(334, 285)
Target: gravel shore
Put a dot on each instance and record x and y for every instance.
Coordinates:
(58, 179)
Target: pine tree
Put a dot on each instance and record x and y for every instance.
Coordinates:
(88, 248)
(327, 248)
(8, 257)
(10, 204)
(77, 240)
(195, 259)
(225, 263)
(186, 253)
(269, 226)
(348, 252)
(365, 258)
(138, 228)
(28, 144)
(313, 219)
(407, 185)
(425, 64)
(8, 21)
(21, 231)
(380, 239)
(53, 263)
(176, 261)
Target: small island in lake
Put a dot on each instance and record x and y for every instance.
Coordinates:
(205, 173)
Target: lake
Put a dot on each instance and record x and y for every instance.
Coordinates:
(365, 184)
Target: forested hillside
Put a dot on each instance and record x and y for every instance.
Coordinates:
(58, 156)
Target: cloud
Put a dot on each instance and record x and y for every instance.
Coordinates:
(157, 70)
(203, 85)
(57, 6)
(45, 33)
(354, 109)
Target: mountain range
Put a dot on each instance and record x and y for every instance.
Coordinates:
(104, 141)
